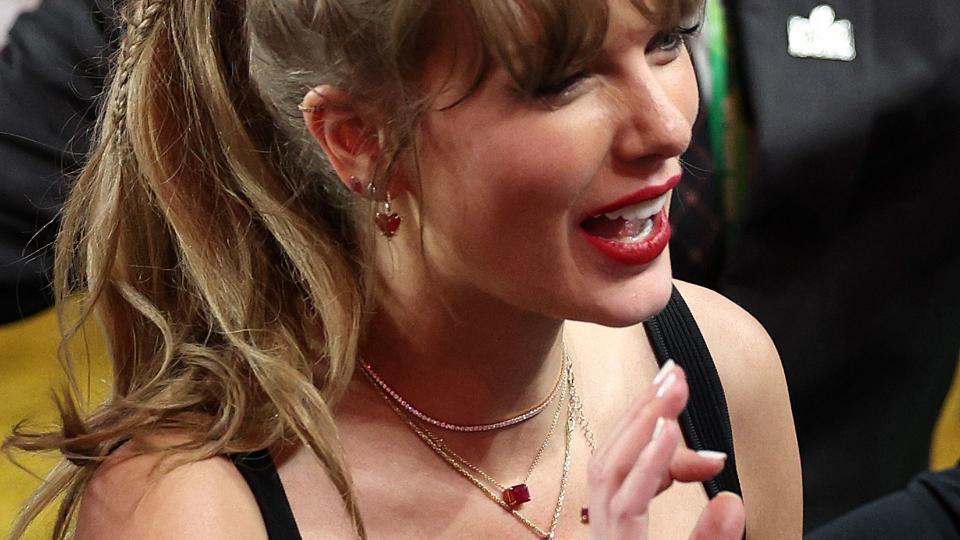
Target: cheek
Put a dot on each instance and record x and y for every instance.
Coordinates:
(561, 157)
(499, 197)
(566, 148)
(522, 166)
(683, 89)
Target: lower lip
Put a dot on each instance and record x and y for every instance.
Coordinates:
(636, 253)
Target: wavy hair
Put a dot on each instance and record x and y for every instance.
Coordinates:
(226, 265)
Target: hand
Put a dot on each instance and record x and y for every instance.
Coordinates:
(644, 456)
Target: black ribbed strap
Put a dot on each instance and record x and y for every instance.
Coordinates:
(261, 475)
(705, 422)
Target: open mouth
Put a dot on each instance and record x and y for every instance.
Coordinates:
(629, 224)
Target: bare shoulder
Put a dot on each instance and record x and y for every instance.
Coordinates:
(135, 495)
(315, 501)
(749, 366)
(732, 333)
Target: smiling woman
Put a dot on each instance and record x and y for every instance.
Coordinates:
(471, 203)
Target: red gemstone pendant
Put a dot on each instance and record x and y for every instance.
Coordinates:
(516, 495)
(387, 223)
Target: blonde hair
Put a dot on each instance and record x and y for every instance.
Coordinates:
(209, 236)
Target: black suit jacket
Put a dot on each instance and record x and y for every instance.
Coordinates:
(51, 71)
(926, 510)
(849, 251)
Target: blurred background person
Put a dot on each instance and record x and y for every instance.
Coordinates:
(929, 508)
(51, 70)
(823, 196)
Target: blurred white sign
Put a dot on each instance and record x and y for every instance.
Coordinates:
(821, 36)
(9, 11)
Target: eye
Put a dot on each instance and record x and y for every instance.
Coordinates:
(561, 88)
(673, 40)
(668, 42)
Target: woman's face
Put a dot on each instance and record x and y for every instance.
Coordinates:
(556, 205)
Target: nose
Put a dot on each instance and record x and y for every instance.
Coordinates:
(655, 122)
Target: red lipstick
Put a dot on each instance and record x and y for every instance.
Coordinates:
(635, 253)
(645, 194)
(644, 251)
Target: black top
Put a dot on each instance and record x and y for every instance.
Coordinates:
(927, 509)
(260, 473)
(705, 421)
(673, 333)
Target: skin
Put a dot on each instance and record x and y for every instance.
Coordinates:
(489, 253)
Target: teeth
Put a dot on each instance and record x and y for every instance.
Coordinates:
(635, 212)
(638, 231)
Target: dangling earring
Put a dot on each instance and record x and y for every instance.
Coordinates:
(386, 219)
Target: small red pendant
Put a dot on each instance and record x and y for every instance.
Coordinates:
(584, 515)
(516, 495)
(388, 223)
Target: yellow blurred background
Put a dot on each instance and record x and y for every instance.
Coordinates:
(29, 374)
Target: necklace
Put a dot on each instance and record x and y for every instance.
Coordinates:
(444, 453)
(517, 494)
(407, 406)
(576, 406)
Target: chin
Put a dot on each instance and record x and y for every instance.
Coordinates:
(634, 300)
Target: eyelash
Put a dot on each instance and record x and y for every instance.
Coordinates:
(559, 87)
(677, 36)
(669, 41)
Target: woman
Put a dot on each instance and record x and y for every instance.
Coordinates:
(413, 308)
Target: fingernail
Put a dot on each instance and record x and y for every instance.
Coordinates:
(658, 428)
(666, 385)
(666, 368)
(710, 454)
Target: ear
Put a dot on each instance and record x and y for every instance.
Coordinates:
(350, 143)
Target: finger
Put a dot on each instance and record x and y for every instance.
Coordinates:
(612, 463)
(628, 506)
(649, 466)
(690, 466)
(722, 519)
(640, 402)
(607, 472)
(608, 469)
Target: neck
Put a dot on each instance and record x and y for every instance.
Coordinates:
(463, 359)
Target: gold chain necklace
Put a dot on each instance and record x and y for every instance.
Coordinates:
(444, 453)
(407, 406)
(517, 494)
(577, 405)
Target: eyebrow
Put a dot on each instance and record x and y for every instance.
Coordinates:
(625, 39)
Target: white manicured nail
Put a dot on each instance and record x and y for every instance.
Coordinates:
(667, 384)
(667, 368)
(710, 454)
(658, 428)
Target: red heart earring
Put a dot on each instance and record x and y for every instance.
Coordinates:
(386, 219)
